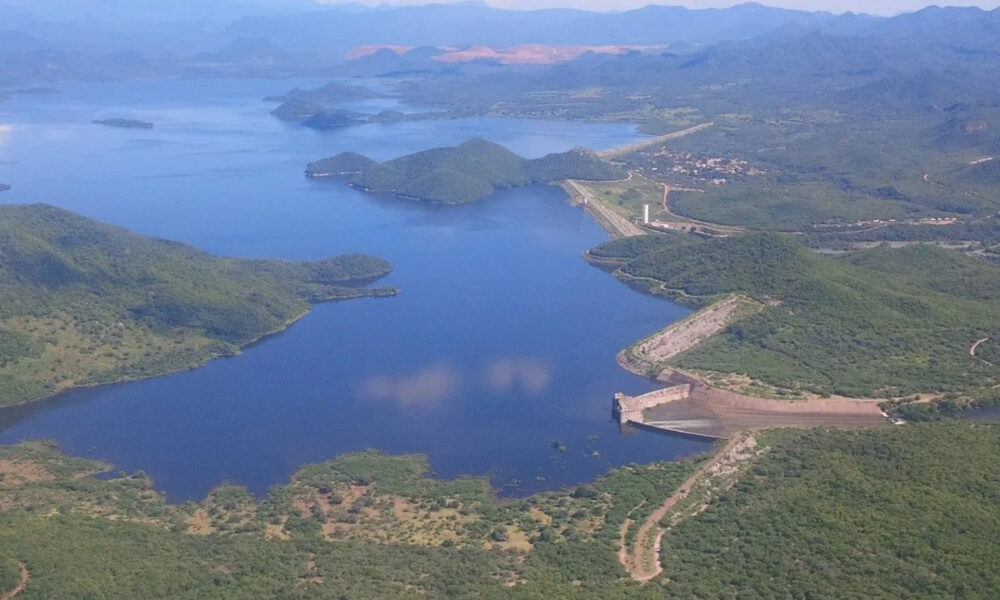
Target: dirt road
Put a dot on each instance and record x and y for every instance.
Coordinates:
(615, 224)
(718, 473)
(642, 144)
(711, 227)
(23, 583)
(972, 350)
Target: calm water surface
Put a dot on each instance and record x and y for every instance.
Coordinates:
(502, 341)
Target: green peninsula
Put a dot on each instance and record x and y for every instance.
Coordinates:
(884, 322)
(84, 303)
(462, 174)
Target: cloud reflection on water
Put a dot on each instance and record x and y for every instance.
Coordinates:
(427, 388)
(433, 385)
(532, 376)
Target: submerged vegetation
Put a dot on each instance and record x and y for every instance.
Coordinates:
(84, 303)
(372, 526)
(124, 123)
(466, 173)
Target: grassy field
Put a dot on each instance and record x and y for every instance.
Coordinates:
(627, 197)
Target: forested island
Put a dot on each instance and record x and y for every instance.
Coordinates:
(124, 123)
(462, 174)
(372, 526)
(4, 187)
(83, 303)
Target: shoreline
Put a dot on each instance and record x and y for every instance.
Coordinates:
(720, 413)
(373, 293)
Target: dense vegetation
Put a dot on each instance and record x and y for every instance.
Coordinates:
(883, 322)
(819, 514)
(465, 173)
(84, 303)
(578, 163)
(361, 526)
(832, 515)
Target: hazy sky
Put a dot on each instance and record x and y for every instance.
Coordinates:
(869, 6)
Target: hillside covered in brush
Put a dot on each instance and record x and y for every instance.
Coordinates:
(462, 174)
(83, 303)
(882, 322)
(367, 525)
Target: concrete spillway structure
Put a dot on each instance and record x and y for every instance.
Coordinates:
(630, 409)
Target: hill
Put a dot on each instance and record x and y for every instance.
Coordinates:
(579, 163)
(882, 322)
(302, 105)
(84, 303)
(984, 172)
(331, 93)
(296, 109)
(343, 164)
(465, 173)
(334, 119)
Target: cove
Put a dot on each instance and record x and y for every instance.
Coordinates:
(502, 341)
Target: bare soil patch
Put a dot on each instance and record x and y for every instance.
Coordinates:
(18, 472)
(721, 413)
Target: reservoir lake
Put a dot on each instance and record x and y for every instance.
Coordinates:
(501, 342)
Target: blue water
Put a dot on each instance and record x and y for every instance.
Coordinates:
(502, 340)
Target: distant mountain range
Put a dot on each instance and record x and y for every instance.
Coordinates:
(469, 24)
(114, 39)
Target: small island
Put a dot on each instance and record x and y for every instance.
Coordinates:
(311, 107)
(84, 303)
(462, 174)
(124, 123)
(4, 187)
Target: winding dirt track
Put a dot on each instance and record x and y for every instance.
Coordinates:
(972, 350)
(637, 564)
(25, 578)
(665, 210)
